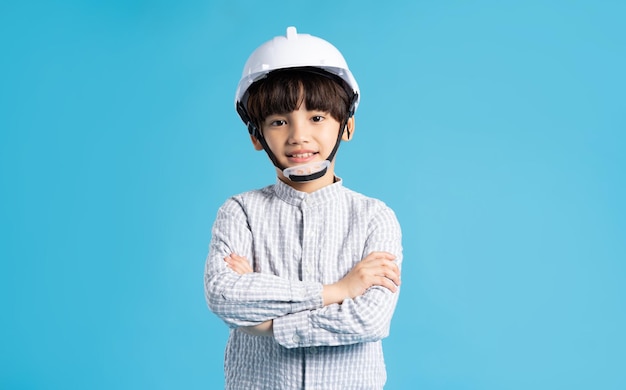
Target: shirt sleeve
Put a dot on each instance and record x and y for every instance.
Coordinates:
(249, 299)
(365, 318)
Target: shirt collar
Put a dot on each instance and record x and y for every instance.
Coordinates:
(297, 198)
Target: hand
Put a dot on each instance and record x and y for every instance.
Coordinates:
(376, 269)
(238, 264)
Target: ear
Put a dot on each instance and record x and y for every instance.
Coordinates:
(348, 134)
(255, 142)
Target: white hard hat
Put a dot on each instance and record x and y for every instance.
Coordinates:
(293, 51)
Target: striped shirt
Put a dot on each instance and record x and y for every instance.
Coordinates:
(296, 243)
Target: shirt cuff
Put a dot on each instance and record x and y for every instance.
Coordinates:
(293, 330)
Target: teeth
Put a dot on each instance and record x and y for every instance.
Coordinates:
(303, 155)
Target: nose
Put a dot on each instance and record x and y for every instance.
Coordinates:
(298, 132)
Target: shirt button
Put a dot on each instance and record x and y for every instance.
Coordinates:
(296, 338)
(313, 350)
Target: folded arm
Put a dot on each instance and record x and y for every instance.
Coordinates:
(357, 308)
(377, 269)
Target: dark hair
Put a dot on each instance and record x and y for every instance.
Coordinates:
(284, 90)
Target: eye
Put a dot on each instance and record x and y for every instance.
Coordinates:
(317, 118)
(277, 122)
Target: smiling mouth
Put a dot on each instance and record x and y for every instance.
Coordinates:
(302, 155)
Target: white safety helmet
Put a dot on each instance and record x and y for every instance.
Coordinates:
(293, 51)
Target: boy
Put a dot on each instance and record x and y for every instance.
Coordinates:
(305, 272)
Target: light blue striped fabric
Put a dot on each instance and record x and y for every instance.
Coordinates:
(297, 242)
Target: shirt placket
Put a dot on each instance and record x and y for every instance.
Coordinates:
(310, 231)
(309, 239)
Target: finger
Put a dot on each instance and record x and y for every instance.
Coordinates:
(376, 265)
(231, 261)
(234, 264)
(241, 268)
(389, 271)
(241, 265)
(388, 284)
(393, 267)
(394, 277)
(237, 257)
(238, 269)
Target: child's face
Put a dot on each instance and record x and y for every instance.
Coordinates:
(301, 137)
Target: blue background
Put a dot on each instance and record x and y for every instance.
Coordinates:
(494, 129)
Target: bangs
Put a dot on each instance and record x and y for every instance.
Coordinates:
(285, 91)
